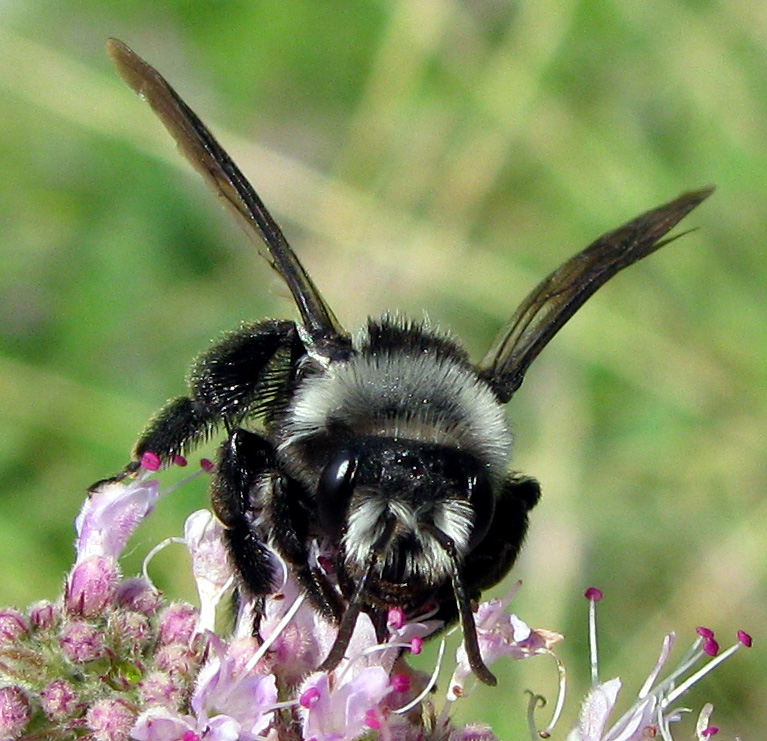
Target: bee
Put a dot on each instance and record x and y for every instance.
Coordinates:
(388, 450)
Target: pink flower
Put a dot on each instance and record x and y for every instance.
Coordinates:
(296, 649)
(110, 515)
(638, 724)
(500, 634)
(345, 709)
(227, 685)
(595, 712)
(138, 594)
(163, 724)
(230, 702)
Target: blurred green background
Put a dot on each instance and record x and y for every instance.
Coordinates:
(437, 156)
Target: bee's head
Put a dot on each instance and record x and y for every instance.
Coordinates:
(405, 509)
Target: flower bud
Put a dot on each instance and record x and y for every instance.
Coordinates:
(81, 642)
(160, 688)
(138, 594)
(131, 630)
(91, 586)
(42, 614)
(177, 623)
(15, 712)
(13, 626)
(177, 659)
(59, 700)
(474, 732)
(110, 720)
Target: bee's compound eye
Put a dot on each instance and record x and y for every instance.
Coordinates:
(482, 501)
(335, 491)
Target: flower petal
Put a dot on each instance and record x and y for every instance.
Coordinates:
(110, 515)
(211, 567)
(595, 711)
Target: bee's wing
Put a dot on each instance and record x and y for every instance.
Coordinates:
(546, 309)
(206, 155)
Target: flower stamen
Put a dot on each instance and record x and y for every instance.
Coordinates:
(706, 669)
(161, 546)
(429, 685)
(560, 704)
(275, 634)
(593, 595)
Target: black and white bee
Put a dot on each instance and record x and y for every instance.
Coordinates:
(389, 448)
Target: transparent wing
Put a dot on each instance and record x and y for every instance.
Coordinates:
(546, 309)
(207, 156)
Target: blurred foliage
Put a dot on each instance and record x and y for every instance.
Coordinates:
(440, 156)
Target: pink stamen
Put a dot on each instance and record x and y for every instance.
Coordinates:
(179, 460)
(710, 731)
(704, 632)
(416, 645)
(372, 720)
(711, 647)
(593, 594)
(310, 698)
(400, 683)
(745, 638)
(151, 461)
(207, 465)
(396, 618)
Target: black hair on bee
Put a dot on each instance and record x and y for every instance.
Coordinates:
(390, 447)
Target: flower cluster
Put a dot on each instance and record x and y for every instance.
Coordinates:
(84, 665)
(112, 660)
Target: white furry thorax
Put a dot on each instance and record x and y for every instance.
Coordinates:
(424, 397)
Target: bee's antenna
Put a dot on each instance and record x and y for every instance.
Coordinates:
(466, 615)
(346, 628)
